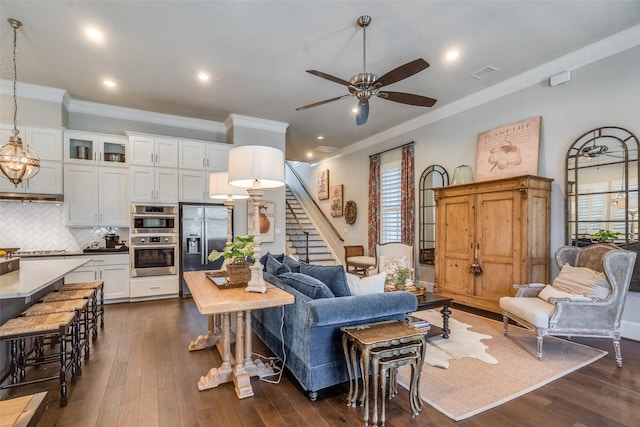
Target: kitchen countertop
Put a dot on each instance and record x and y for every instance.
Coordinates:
(35, 275)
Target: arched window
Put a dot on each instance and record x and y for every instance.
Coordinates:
(434, 176)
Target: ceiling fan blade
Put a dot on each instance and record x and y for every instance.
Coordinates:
(402, 72)
(363, 112)
(315, 104)
(407, 98)
(329, 77)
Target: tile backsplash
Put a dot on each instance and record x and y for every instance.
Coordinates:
(39, 226)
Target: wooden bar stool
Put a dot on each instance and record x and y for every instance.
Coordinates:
(98, 286)
(89, 294)
(79, 305)
(60, 326)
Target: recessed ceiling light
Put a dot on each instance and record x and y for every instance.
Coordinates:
(109, 83)
(355, 110)
(203, 76)
(452, 54)
(309, 154)
(320, 137)
(94, 34)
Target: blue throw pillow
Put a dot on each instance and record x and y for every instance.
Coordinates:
(263, 259)
(313, 288)
(332, 276)
(293, 264)
(276, 268)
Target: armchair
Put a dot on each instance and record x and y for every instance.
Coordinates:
(390, 256)
(572, 314)
(356, 262)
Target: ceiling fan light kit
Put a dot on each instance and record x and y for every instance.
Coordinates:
(365, 85)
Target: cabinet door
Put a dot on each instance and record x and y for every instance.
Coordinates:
(116, 281)
(142, 150)
(114, 200)
(193, 186)
(46, 142)
(141, 184)
(166, 181)
(166, 152)
(192, 155)
(82, 274)
(81, 195)
(454, 251)
(80, 147)
(111, 145)
(48, 180)
(498, 239)
(218, 157)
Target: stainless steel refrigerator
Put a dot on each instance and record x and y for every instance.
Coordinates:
(202, 229)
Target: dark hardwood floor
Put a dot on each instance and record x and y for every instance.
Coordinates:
(141, 374)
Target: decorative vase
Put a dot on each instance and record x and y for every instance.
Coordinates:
(238, 274)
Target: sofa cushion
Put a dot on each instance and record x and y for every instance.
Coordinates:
(275, 267)
(366, 285)
(331, 275)
(532, 310)
(309, 286)
(293, 264)
(582, 280)
(263, 259)
(550, 292)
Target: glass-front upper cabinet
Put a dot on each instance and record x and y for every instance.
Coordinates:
(89, 147)
(433, 177)
(602, 188)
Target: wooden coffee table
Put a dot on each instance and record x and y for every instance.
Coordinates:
(430, 301)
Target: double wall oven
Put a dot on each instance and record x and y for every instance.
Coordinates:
(154, 241)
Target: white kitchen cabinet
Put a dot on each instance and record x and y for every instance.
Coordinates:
(202, 155)
(95, 196)
(217, 157)
(48, 180)
(45, 141)
(193, 186)
(112, 269)
(153, 185)
(144, 288)
(95, 148)
(149, 150)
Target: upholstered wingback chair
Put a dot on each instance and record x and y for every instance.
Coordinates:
(580, 302)
(392, 255)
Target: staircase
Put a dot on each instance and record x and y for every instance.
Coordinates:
(319, 253)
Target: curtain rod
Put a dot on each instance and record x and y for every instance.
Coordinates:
(391, 149)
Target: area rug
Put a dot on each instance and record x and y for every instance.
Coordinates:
(470, 386)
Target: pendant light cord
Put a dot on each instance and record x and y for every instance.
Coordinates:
(15, 24)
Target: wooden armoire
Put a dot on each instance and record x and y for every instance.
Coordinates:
(491, 235)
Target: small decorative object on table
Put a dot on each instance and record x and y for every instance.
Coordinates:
(239, 252)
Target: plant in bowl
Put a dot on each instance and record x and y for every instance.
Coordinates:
(605, 235)
(399, 277)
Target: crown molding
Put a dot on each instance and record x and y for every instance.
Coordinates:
(256, 123)
(131, 114)
(601, 49)
(29, 91)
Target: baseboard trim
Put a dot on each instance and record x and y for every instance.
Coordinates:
(630, 330)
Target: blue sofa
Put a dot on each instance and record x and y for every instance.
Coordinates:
(312, 335)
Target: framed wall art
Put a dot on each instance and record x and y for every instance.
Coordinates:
(267, 220)
(323, 184)
(510, 150)
(336, 200)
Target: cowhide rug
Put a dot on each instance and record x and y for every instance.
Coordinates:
(461, 343)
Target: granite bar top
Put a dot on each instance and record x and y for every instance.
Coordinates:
(36, 274)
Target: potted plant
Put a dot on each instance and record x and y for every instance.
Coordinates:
(239, 253)
(399, 277)
(605, 236)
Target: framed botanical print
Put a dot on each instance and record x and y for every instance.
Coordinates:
(323, 184)
(336, 200)
(267, 220)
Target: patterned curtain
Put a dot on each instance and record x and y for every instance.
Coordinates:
(374, 202)
(407, 195)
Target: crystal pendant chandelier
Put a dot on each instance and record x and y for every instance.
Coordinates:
(17, 162)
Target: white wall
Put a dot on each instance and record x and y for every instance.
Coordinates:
(605, 93)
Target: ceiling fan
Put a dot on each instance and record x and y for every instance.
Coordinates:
(365, 85)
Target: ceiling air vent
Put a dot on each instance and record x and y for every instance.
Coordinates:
(483, 72)
(325, 149)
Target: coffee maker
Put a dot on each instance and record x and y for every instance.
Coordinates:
(111, 240)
